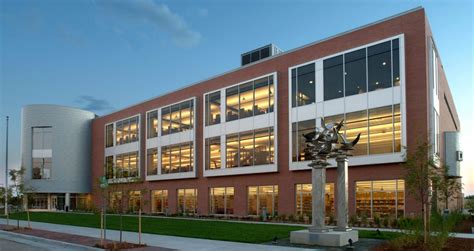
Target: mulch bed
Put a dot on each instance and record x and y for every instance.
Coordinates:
(79, 239)
(453, 244)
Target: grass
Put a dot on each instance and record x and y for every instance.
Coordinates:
(214, 230)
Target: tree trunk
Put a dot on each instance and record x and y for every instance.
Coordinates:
(28, 217)
(425, 224)
(121, 227)
(140, 226)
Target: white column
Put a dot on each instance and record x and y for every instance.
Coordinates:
(318, 176)
(67, 201)
(342, 193)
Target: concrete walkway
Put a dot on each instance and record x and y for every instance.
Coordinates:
(173, 242)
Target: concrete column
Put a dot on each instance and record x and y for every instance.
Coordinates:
(67, 201)
(318, 177)
(342, 209)
(49, 201)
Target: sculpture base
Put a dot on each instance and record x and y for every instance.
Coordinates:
(330, 239)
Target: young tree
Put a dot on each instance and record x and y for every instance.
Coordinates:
(449, 187)
(419, 174)
(19, 190)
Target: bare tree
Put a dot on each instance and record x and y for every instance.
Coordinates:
(449, 187)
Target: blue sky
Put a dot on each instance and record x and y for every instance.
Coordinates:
(105, 55)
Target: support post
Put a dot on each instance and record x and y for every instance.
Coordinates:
(342, 193)
(318, 177)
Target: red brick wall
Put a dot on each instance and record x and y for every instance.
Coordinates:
(412, 25)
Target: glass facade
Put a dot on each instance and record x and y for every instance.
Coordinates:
(152, 124)
(213, 108)
(159, 201)
(126, 165)
(109, 167)
(355, 72)
(177, 118)
(250, 99)
(152, 161)
(109, 135)
(304, 199)
(221, 200)
(303, 85)
(381, 198)
(381, 130)
(333, 78)
(213, 153)
(187, 201)
(127, 131)
(41, 163)
(177, 158)
(262, 200)
(115, 201)
(298, 140)
(250, 148)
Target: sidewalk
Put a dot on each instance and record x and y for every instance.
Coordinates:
(172, 242)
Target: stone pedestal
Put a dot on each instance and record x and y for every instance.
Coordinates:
(318, 176)
(330, 239)
(342, 211)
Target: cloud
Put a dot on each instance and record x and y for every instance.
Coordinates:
(158, 15)
(94, 104)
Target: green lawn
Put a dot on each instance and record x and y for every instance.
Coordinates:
(215, 230)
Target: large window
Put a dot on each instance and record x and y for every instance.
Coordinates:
(152, 161)
(127, 131)
(126, 165)
(263, 200)
(159, 201)
(213, 108)
(303, 85)
(333, 78)
(250, 99)
(134, 201)
(355, 72)
(356, 122)
(250, 148)
(177, 158)
(298, 140)
(41, 160)
(382, 198)
(381, 130)
(109, 167)
(222, 200)
(152, 124)
(380, 66)
(396, 62)
(187, 201)
(304, 199)
(213, 153)
(115, 201)
(109, 135)
(177, 118)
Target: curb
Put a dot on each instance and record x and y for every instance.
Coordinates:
(28, 239)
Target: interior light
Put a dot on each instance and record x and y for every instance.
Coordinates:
(384, 63)
(340, 91)
(377, 83)
(311, 81)
(398, 78)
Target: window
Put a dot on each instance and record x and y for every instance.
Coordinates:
(397, 128)
(127, 131)
(213, 153)
(355, 72)
(356, 122)
(159, 201)
(177, 158)
(304, 199)
(126, 165)
(299, 141)
(396, 62)
(382, 198)
(380, 69)
(250, 99)
(436, 132)
(303, 85)
(152, 161)
(109, 164)
(109, 135)
(222, 200)
(187, 201)
(115, 201)
(177, 118)
(333, 78)
(134, 201)
(213, 108)
(381, 130)
(41, 160)
(41, 168)
(250, 148)
(152, 124)
(263, 200)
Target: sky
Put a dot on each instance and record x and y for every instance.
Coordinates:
(104, 55)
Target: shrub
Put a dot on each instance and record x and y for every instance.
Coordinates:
(352, 220)
(364, 219)
(385, 222)
(377, 221)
